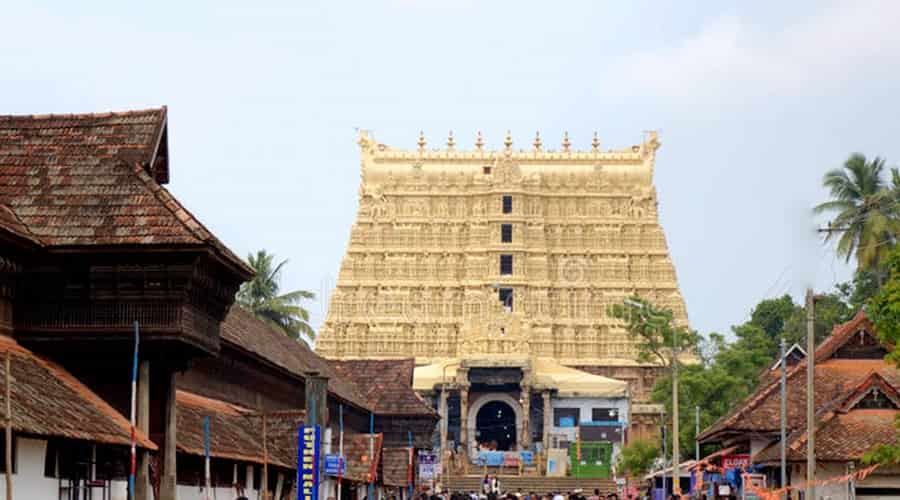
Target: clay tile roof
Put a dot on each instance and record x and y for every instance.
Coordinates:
(235, 433)
(760, 412)
(11, 223)
(387, 385)
(82, 180)
(840, 334)
(843, 432)
(48, 401)
(242, 330)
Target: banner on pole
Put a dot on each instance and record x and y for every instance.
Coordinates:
(736, 462)
(309, 441)
(427, 464)
(335, 465)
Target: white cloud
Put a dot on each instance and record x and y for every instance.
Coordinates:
(817, 55)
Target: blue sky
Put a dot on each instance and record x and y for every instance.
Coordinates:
(753, 103)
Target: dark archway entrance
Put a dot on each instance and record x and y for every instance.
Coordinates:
(496, 424)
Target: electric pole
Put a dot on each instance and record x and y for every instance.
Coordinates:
(676, 474)
(783, 415)
(696, 433)
(810, 390)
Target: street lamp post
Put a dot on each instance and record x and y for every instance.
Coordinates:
(676, 487)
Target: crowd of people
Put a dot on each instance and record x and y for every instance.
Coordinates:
(491, 489)
(556, 495)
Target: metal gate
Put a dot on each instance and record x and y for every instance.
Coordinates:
(591, 459)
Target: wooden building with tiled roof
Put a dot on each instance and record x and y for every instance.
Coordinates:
(92, 243)
(856, 404)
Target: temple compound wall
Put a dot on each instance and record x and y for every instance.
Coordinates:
(492, 259)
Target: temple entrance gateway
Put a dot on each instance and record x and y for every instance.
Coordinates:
(495, 426)
(491, 417)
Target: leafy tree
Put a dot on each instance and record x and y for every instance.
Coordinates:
(656, 334)
(637, 458)
(830, 310)
(655, 330)
(857, 292)
(261, 297)
(772, 314)
(884, 310)
(716, 385)
(866, 211)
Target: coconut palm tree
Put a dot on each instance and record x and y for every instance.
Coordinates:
(867, 219)
(260, 296)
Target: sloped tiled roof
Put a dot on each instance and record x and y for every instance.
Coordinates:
(840, 334)
(386, 384)
(49, 401)
(760, 412)
(10, 221)
(235, 433)
(242, 330)
(844, 432)
(82, 180)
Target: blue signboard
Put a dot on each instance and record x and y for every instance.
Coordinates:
(334, 465)
(309, 440)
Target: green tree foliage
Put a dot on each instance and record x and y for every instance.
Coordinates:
(261, 297)
(865, 209)
(860, 290)
(830, 310)
(637, 458)
(772, 314)
(718, 383)
(884, 310)
(655, 330)
(727, 371)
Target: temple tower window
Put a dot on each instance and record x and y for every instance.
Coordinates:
(506, 265)
(506, 233)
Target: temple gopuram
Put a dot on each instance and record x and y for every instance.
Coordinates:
(494, 270)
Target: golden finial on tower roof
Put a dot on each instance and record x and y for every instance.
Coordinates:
(421, 142)
(479, 141)
(537, 141)
(451, 142)
(595, 143)
(507, 141)
(566, 143)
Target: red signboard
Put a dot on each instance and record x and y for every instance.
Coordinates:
(736, 462)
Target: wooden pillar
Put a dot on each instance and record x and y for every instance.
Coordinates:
(548, 420)
(524, 430)
(316, 386)
(168, 482)
(142, 489)
(317, 400)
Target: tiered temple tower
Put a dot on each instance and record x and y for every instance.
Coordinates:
(449, 244)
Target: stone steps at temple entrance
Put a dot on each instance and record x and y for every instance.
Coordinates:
(536, 484)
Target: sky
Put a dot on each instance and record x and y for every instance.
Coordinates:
(754, 101)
